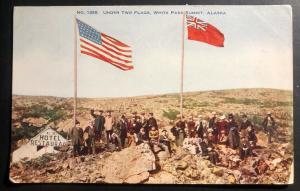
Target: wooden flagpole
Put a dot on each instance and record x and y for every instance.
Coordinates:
(181, 67)
(75, 71)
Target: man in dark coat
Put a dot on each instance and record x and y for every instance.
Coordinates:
(200, 127)
(142, 137)
(90, 140)
(212, 125)
(151, 122)
(122, 130)
(137, 125)
(165, 142)
(222, 126)
(269, 125)
(76, 135)
(98, 124)
(178, 132)
(245, 149)
(191, 125)
(233, 135)
(244, 125)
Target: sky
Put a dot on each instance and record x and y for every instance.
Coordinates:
(257, 52)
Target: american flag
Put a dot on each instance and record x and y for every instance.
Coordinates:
(101, 46)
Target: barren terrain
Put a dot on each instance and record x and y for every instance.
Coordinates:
(31, 113)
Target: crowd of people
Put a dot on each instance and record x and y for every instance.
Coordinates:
(196, 135)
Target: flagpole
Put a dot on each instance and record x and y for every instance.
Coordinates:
(181, 68)
(75, 72)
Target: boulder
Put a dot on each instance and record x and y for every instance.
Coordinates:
(182, 165)
(138, 178)
(131, 165)
(163, 155)
(231, 179)
(217, 171)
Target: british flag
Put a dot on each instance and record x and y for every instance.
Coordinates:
(196, 22)
(202, 31)
(106, 48)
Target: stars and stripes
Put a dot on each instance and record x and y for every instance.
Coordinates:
(101, 46)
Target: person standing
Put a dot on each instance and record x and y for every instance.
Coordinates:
(137, 125)
(108, 125)
(178, 132)
(200, 126)
(233, 135)
(151, 122)
(191, 126)
(98, 124)
(244, 125)
(212, 128)
(122, 127)
(251, 136)
(222, 126)
(76, 135)
(269, 126)
(244, 149)
(90, 140)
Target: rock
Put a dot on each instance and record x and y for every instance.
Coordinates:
(231, 179)
(139, 178)
(167, 178)
(182, 165)
(126, 164)
(156, 148)
(163, 155)
(218, 171)
(65, 165)
(37, 122)
(72, 163)
(262, 167)
(194, 174)
(83, 179)
(187, 158)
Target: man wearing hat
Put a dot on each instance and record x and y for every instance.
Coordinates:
(76, 135)
(191, 126)
(212, 126)
(199, 127)
(222, 125)
(151, 122)
(178, 131)
(89, 138)
(233, 135)
(99, 121)
(122, 126)
(134, 116)
(108, 125)
(143, 119)
(269, 125)
(244, 125)
(165, 141)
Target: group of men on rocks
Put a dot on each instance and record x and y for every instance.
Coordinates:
(119, 133)
(201, 136)
(198, 136)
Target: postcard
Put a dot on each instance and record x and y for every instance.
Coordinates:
(193, 94)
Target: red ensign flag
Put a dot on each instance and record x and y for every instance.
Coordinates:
(202, 31)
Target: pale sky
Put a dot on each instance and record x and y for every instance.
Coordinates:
(257, 52)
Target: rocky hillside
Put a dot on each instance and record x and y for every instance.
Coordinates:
(273, 163)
